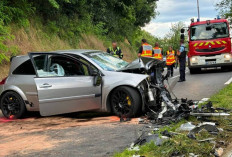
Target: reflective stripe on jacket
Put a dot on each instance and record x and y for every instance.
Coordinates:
(115, 52)
(157, 53)
(171, 58)
(147, 50)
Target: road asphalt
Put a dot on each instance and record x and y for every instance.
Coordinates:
(71, 135)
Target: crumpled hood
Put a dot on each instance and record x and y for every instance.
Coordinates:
(144, 63)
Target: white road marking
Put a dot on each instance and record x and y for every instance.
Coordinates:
(229, 81)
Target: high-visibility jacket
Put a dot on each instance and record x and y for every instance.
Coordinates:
(116, 52)
(171, 58)
(157, 53)
(147, 50)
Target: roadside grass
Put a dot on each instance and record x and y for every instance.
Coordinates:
(182, 145)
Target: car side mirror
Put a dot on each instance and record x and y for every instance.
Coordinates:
(93, 72)
(97, 81)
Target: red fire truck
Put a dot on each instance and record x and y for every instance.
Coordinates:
(209, 45)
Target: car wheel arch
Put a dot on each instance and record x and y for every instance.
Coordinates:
(108, 105)
(19, 92)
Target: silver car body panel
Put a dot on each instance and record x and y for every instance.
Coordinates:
(67, 94)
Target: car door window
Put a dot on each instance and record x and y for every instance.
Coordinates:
(87, 63)
(59, 66)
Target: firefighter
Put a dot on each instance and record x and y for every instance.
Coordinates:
(145, 50)
(157, 52)
(182, 60)
(115, 50)
(170, 60)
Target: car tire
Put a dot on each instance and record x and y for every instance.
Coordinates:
(194, 70)
(12, 105)
(125, 102)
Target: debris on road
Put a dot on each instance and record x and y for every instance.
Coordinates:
(149, 138)
(206, 140)
(187, 126)
(218, 152)
(193, 155)
(133, 148)
(162, 110)
(211, 128)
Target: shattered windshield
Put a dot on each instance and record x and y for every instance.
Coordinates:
(106, 61)
(212, 31)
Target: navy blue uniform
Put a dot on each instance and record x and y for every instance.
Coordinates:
(182, 60)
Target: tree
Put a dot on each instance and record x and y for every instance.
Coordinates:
(225, 8)
(172, 38)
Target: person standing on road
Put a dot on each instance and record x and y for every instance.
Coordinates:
(145, 50)
(115, 50)
(177, 60)
(182, 60)
(170, 60)
(157, 52)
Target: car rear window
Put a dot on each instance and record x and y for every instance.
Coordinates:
(25, 68)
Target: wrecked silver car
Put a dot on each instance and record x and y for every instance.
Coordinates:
(79, 80)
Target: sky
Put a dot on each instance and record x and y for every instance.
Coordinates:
(173, 11)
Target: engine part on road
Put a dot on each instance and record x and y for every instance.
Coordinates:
(209, 114)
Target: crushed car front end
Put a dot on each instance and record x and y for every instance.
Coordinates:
(155, 96)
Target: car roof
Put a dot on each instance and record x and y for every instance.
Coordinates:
(74, 51)
(18, 60)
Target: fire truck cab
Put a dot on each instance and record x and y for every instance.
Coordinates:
(209, 45)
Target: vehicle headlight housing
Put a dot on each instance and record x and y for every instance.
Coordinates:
(194, 59)
(227, 56)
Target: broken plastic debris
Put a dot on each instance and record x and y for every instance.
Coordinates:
(220, 129)
(166, 133)
(206, 140)
(212, 129)
(218, 152)
(147, 139)
(193, 155)
(187, 126)
(155, 129)
(132, 148)
(140, 120)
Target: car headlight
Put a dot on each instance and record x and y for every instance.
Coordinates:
(194, 59)
(227, 56)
